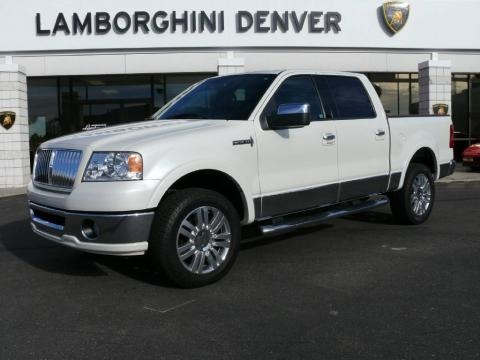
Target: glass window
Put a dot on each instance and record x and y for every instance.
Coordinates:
(388, 91)
(460, 95)
(300, 90)
(111, 100)
(475, 107)
(175, 84)
(159, 95)
(43, 117)
(230, 98)
(350, 98)
(399, 93)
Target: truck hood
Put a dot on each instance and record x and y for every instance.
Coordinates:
(127, 137)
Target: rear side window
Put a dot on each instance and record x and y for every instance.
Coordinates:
(349, 98)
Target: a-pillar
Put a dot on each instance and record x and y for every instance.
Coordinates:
(14, 137)
(435, 82)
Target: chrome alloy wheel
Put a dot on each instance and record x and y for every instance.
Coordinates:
(203, 240)
(420, 195)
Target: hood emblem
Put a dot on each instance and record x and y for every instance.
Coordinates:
(7, 119)
(395, 15)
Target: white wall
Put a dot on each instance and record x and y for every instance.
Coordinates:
(449, 27)
(254, 60)
(433, 24)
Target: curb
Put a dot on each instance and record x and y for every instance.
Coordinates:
(12, 192)
(458, 181)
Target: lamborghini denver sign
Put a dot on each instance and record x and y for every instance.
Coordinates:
(144, 22)
(395, 16)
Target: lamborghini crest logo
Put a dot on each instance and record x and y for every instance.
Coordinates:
(395, 15)
(7, 119)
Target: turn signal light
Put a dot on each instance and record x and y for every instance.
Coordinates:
(135, 163)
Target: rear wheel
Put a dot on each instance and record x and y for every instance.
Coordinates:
(195, 237)
(413, 204)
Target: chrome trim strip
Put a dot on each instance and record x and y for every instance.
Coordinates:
(46, 223)
(66, 213)
(129, 249)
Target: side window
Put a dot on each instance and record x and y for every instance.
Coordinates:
(297, 89)
(349, 97)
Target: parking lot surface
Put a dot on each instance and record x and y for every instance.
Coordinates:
(355, 288)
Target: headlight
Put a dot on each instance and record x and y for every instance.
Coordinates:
(114, 166)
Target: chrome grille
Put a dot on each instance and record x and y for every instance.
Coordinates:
(56, 168)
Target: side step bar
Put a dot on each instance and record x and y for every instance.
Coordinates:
(300, 221)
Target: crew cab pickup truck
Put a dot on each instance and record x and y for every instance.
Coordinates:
(282, 150)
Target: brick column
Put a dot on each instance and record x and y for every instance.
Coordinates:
(435, 81)
(230, 65)
(14, 141)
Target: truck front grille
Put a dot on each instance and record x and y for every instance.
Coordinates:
(56, 168)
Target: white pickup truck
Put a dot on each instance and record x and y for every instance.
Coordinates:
(280, 149)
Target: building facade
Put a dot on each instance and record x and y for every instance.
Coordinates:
(68, 64)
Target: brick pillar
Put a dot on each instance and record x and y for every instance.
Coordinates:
(230, 65)
(435, 81)
(14, 139)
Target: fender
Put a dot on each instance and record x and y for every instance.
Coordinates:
(177, 173)
(430, 146)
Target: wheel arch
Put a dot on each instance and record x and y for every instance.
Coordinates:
(424, 155)
(211, 179)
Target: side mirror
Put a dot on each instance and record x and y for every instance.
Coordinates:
(290, 116)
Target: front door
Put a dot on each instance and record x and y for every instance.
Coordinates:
(297, 167)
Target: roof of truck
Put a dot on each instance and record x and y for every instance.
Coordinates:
(278, 72)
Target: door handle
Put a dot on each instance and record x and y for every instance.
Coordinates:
(329, 137)
(380, 133)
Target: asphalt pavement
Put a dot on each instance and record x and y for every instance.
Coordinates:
(356, 288)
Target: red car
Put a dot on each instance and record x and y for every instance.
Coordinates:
(471, 156)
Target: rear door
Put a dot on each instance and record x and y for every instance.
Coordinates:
(362, 135)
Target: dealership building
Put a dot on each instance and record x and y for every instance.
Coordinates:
(65, 65)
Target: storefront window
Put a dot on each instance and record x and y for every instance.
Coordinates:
(111, 100)
(63, 105)
(398, 92)
(460, 106)
(43, 110)
(475, 107)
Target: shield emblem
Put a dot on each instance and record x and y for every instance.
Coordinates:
(7, 119)
(440, 109)
(395, 15)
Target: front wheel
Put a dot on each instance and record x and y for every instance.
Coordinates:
(413, 203)
(195, 237)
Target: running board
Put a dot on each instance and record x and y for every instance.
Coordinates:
(317, 218)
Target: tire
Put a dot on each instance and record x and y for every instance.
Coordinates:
(179, 228)
(413, 205)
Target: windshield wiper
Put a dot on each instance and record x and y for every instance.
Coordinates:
(185, 116)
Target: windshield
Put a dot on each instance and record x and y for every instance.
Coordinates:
(230, 97)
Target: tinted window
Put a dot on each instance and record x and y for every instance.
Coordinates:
(350, 99)
(297, 89)
(225, 98)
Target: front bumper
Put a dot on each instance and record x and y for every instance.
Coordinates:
(100, 233)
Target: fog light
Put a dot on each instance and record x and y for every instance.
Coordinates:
(90, 229)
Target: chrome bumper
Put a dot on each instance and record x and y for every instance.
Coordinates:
(110, 234)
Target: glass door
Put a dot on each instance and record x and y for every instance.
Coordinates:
(475, 108)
